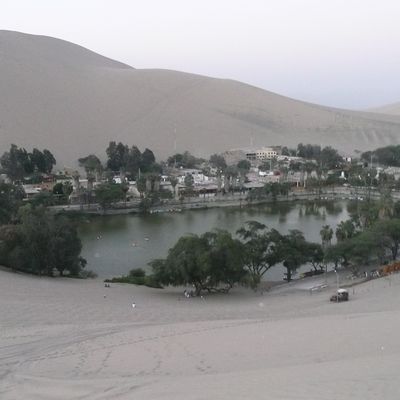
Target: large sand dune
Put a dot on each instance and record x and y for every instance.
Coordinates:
(58, 95)
(390, 109)
(62, 339)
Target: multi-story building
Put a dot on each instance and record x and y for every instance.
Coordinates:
(263, 153)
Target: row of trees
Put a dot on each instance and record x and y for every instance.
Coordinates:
(389, 155)
(216, 261)
(326, 156)
(18, 163)
(130, 161)
(368, 235)
(34, 240)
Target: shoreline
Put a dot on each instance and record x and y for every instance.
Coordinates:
(237, 201)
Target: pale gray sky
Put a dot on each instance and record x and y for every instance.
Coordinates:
(344, 53)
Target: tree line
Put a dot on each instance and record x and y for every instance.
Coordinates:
(34, 240)
(217, 260)
(18, 163)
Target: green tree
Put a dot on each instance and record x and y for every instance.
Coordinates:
(207, 262)
(50, 161)
(174, 181)
(244, 165)
(387, 234)
(315, 255)
(147, 160)
(345, 230)
(10, 199)
(12, 163)
(218, 161)
(108, 194)
(141, 185)
(189, 184)
(66, 247)
(293, 250)
(117, 156)
(326, 234)
(260, 250)
(42, 242)
(92, 165)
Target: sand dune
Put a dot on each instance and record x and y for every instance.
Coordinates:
(61, 96)
(62, 339)
(390, 109)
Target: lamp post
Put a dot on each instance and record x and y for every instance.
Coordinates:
(337, 285)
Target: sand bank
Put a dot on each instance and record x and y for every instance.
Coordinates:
(73, 339)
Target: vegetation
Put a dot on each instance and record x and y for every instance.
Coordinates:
(10, 199)
(212, 262)
(108, 194)
(184, 160)
(18, 163)
(137, 276)
(259, 250)
(389, 155)
(125, 160)
(41, 243)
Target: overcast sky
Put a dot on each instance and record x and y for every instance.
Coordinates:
(344, 53)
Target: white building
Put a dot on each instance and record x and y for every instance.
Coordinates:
(263, 153)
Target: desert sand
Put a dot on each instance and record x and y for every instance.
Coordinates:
(60, 96)
(76, 339)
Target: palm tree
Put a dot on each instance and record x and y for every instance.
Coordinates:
(326, 234)
(174, 181)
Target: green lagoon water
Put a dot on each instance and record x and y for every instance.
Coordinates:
(113, 245)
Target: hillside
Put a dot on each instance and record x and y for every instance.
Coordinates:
(391, 109)
(58, 95)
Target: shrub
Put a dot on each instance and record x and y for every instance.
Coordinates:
(137, 273)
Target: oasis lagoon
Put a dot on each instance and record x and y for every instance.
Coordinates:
(113, 245)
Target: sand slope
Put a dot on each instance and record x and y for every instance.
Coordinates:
(392, 109)
(62, 339)
(61, 96)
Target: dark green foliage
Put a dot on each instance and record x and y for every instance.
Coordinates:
(137, 279)
(217, 161)
(108, 194)
(387, 235)
(43, 198)
(127, 160)
(270, 191)
(389, 155)
(315, 255)
(212, 262)
(259, 250)
(345, 230)
(40, 243)
(184, 160)
(244, 165)
(17, 162)
(293, 250)
(327, 158)
(10, 199)
(117, 156)
(326, 234)
(91, 164)
(189, 182)
(13, 163)
(137, 273)
(63, 189)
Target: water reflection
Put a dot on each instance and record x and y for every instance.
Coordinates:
(115, 244)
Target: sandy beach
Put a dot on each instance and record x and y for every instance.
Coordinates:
(76, 339)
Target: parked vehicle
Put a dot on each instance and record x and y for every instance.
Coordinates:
(341, 295)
